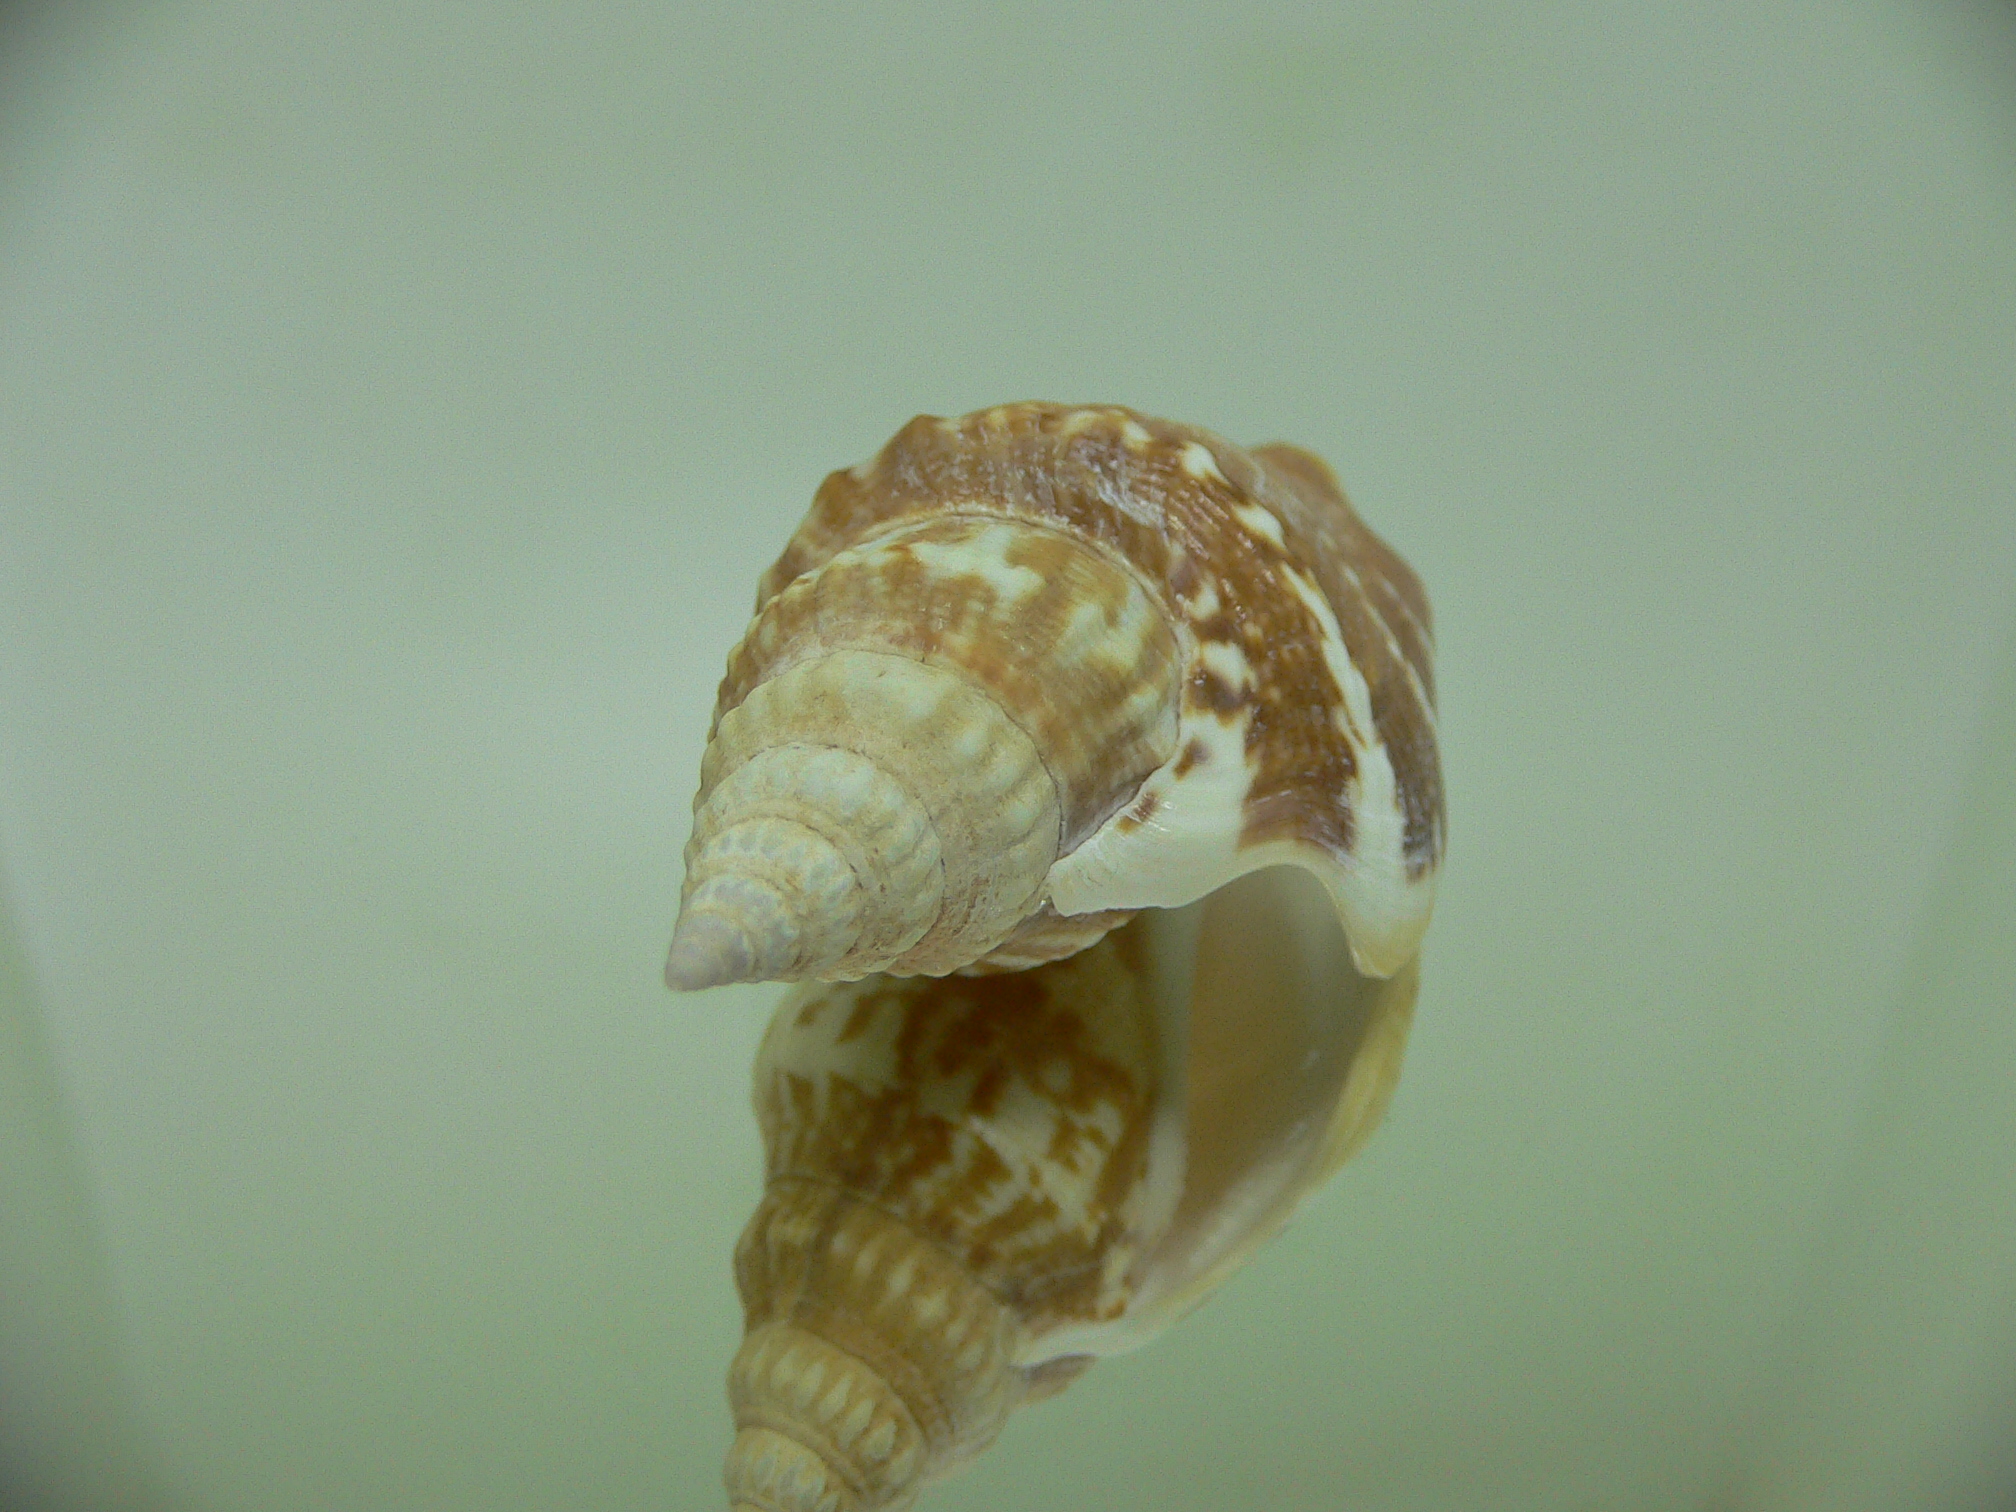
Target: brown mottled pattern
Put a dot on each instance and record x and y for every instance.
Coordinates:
(970, 1052)
(1383, 612)
(1076, 469)
(1067, 691)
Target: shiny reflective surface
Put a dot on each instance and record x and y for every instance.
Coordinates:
(395, 408)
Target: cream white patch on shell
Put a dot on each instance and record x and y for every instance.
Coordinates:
(1227, 662)
(1200, 464)
(986, 554)
(1204, 602)
(1261, 520)
(1181, 847)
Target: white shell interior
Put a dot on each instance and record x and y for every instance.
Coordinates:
(398, 403)
(1271, 1038)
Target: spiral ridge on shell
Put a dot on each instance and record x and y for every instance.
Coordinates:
(872, 1360)
(906, 742)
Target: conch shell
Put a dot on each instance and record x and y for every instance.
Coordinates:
(1023, 674)
(976, 1185)
(1035, 668)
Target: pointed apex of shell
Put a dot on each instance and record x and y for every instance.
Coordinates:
(767, 900)
(819, 1430)
(708, 951)
(769, 1471)
(734, 927)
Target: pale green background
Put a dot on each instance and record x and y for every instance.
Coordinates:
(397, 404)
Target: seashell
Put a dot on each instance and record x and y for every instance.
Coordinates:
(1030, 670)
(977, 1185)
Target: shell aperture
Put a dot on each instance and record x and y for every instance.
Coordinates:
(1031, 669)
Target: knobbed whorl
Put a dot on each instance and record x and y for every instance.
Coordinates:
(872, 1361)
(907, 740)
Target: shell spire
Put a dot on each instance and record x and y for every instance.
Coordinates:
(1034, 668)
(907, 740)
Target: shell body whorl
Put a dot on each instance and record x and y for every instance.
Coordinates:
(976, 1185)
(1125, 662)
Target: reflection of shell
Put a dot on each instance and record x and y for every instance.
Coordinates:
(1040, 664)
(976, 1185)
